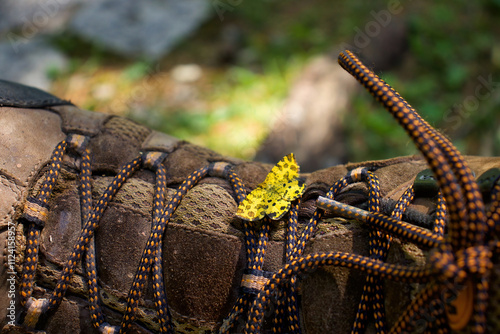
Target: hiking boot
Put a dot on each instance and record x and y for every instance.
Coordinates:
(83, 193)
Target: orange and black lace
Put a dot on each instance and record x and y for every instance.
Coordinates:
(36, 308)
(36, 212)
(493, 214)
(153, 161)
(466, 230)
(160, 298)
(378, 249)
(358, 175)
(88, 231)
(287, 300)
(454, 177)
(299, 264)
(459, 264)
(150, 250)
(287, 309)
(96, 314)
(255, 244)
(468, 221)
(253, 276)
(34, 217)
(152, 254)
(153, 251)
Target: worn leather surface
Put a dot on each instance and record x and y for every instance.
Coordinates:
(76, 120)
(203, 245)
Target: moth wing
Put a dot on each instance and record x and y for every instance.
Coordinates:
(252, 207)
(293, 189)
(285, 169)
(277, 208)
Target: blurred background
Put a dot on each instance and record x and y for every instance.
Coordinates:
(258, 79)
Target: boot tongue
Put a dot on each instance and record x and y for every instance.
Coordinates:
(16, 95)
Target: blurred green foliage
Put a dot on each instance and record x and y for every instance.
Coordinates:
(451, 44)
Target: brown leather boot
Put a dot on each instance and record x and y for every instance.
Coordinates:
(82, 267)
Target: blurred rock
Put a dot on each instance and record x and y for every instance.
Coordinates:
(30, 63)
(148, 28)
(104, 91)
(310, 123)
(186, 73)
(31, 17)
